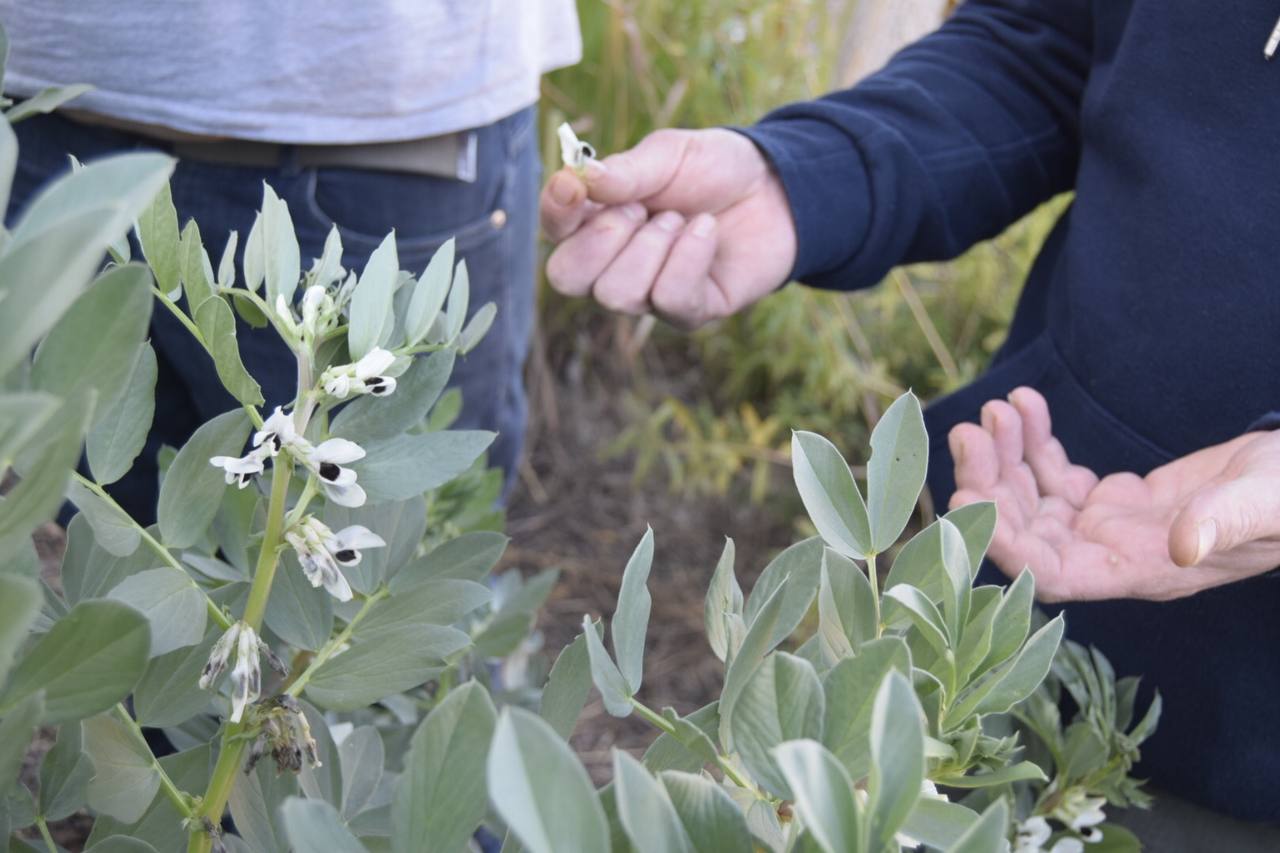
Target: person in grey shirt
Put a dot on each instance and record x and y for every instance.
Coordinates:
(389, 114)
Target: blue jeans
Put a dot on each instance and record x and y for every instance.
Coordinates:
(493, 220)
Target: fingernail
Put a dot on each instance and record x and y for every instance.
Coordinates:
(563, 190)
(669, 221)
(1207, 533)
(594, 169)
(634, 212)
(703, 225)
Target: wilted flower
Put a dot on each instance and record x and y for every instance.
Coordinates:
(322, 553)
(366, 376)
(246, 675)
(241, 469)
(1034, 832)
(284, 729)
(339, 483)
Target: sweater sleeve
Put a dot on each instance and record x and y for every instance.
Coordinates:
(957, 137)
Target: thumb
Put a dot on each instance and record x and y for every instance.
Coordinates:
(1224, 516)
(639, 173)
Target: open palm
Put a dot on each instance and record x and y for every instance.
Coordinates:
(1206, 519)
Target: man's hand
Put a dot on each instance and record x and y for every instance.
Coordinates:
(1206, 519)
(691, 224)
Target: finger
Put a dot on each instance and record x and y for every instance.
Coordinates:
(682, 289)
(563, 205)
(974, 453)
(1054, 473)
(625, 284)
(1224, 516)
(576, 264)
(1003, 423)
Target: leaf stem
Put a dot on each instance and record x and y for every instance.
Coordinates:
(874, 578)
(335, 643)
(215, 612)
(663, 724)
(44, 833)
(180, 799)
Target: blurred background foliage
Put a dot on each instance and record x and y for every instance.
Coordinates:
(712, 412)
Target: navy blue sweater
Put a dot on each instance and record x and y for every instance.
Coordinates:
(1151, 317)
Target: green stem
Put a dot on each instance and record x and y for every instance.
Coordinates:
(663, 724)
(875, 591)
(180, 799)
(44, 833)
(309, 491)
(215, 612)
(335, 643)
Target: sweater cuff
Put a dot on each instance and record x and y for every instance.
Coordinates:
(828, 189)
(1268, 421)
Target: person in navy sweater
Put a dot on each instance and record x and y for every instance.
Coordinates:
(1150, 505)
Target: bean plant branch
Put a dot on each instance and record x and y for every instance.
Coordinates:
(663, 724)
(181, 800)
(335, 643)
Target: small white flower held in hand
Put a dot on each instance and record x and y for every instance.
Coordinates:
(339, 483)
(321, 552)
(241, 469)
(246, 675)
(366, 376)
(573, 151)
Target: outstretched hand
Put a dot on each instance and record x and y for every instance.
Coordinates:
(1206, 519)
(691, 224)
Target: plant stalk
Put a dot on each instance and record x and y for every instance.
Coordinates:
(44, 833)
(663, 724)
(336, 642)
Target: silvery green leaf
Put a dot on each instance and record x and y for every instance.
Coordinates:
(124, 778)
(45, 101)
(896, 471)
(328, 267)
(782, 701)
(631, 619)
(255, 803)
(645, 809)
(161, 825)
(410, 465)
(281, 256)
(846, 606)
(157, 229)
(193, 265)
(723, 596)
(172, 603)
(477, 327)
(192, 488)
(710, 818)
(19, 605)
(46, 471)
(850, 689)
(94, 345)
(567, 689)
(1022, 771)
(830, 495)
(897, 758)
(436, 602)
(757, 643)
(388, 662)
(1015, 679)
(919, 562)
(445, 772)
(218, 323)
(429, 294)
(977, 524)
(227, 264)
(401, 524)
(297, 612)
(541, 790)
(371, 300)
(801, 566)
(114, 530)
(470, 556)
(361, 757)
(60, 240)
(323, 782)
(120, 431)
(89, 570)
(1011, 621)
(8, 146)
(87, 662)
(687, 749)
(417, 390)
(16, 728)
(823, 795)
(169, 692)
(692, 735)
(64, 775)
(314, 826)
(989, 833)
(975, 641)
(516, 613)
(605, 675)
(938, 823)
(23, 415)
(455, 312)
(955, 563)
(923, 614)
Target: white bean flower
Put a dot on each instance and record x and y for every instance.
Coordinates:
(1082, 813)
(279, 432)
(246, 675)
(323, 554)
(369, 375)
(241, 469)
(339, 483)
(1034, 832)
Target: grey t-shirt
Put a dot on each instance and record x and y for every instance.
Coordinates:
(300, 71)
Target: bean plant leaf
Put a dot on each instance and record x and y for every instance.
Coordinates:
(938, 823)
(801, 566)
(1015, 679)
(192, 488)
(987, 833)
(567, 688)
(757, 643)
(455, 312)
(410, 465)
(282, 263)
(64, 775)
(645, 809)
(87, 662)
(157, 229)
(955, 563)
(540, 790)
(314, 826)
(710, 818)
(218, 324)
(255, 801)
(605, 674)
(783, 701)
(361, 756)
(47, 471)
(124, 777)
(897, 758)
(297, 612)
(379, 665)
(477, 327)
(846, 606)
(470, 556)
(631, 619)
(371, 300)
(724, 596)
(923, 614)
(1011, 621)
(19, 605)
(16, 728)
(440, 798)
(161, 825)
(45, 101)
(896, 471)
(850, 688)
(90, 570)
(169, 692)
(830, 495)
(429, 294)
(824, 795)
(172, 603)
(120, 431)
